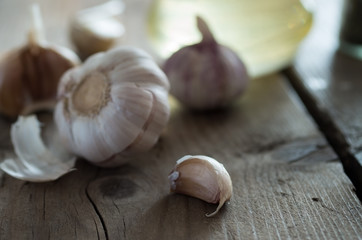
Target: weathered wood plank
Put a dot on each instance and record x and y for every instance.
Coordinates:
(55, 210)
(287, 182)
(330, 85)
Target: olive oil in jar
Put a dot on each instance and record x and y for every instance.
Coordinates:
(265, 33)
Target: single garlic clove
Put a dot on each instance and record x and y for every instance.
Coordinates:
(206, 75)
(201, 177)
(97, 29)
(29, 76)
(113, 105)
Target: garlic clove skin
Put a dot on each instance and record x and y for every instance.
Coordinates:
(29, 75)
(97, 29)
(35, 162)
(115, 104)
(206, 75)
(12, 91)
(201, 177)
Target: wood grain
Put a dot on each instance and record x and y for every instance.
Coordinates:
(330, 84)
(288, 182)
(55, 210)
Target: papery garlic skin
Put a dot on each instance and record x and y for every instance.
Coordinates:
(115, 104)
(35, 162)
(202, 177)
(206, 75)
(30, 75)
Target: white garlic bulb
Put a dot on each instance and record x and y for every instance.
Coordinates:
(114, 104)
(201, 177)
(206, 75)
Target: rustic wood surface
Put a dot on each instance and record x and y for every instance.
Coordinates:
(288, 182)
(330, 84)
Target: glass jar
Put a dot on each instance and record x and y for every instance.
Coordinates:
(265, 33)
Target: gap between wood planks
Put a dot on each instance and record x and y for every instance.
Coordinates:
(328, 127)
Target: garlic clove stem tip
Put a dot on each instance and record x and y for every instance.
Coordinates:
(207, 35)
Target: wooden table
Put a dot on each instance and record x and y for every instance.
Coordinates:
(292, 145)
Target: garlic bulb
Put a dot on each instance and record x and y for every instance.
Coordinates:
(97, 29)
(206, 75)
(114, 104)
(201, 177)
(29, 75)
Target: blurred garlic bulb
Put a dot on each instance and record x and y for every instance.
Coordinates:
(114, 104)
(206, 75)
(201, 177)
(97, 29)
(29, 75)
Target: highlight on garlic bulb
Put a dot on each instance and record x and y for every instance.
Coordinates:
(29, 75)
(113, 105)
(206, 75)
(201, 177)
(97, 29)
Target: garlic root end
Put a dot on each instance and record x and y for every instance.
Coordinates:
(221, 203)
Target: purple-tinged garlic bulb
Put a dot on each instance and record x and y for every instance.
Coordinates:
(206, 75)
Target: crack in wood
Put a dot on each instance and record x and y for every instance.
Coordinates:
(298, 159)
(2, 179)
(96, 208)
(44, 206)
(329, 208)
(323, 205)
(267, 147)
(301, 158)
(95, 223)
(330, 130)
(124, 228)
